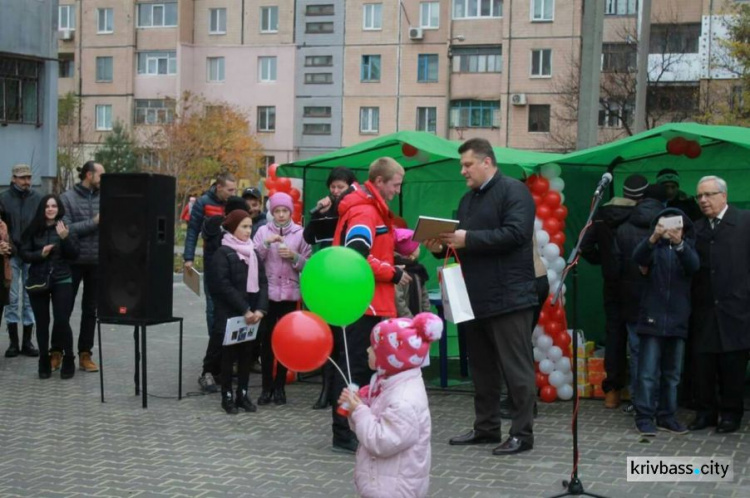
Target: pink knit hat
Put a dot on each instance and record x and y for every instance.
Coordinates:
(281, 199)
(402, 343)
(404, 245)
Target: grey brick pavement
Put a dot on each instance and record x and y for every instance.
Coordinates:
(57, 439)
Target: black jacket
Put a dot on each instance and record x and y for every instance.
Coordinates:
(81, 206)
(687, 205)
(665, 305)
(721, 288)
(206, 206)
(598, 246)
(498, 260)
(20, 208)
(57, 261)
(228, 288)
(627, 237)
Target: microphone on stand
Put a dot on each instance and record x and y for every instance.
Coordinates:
(603, 183)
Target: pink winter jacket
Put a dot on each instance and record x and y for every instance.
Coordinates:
(394, 456)
(283, 275)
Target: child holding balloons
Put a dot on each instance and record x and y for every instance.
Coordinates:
(283, 252)
(391, 416)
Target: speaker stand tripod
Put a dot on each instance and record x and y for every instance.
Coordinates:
(140, 377)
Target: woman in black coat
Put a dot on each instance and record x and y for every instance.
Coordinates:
(239, 288)
(50, 248)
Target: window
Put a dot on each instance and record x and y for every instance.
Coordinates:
(319, 61)
(316, 112)
(66, 19)
(475, 9)
(478, 59)
(539, 118)
(429, 15)
(215, 69)
(318, 78)
(19, 91)
(157, 15)
(372, 16)
(266, 69)
(427, 119)
(673, 98)
(315, 28)
(266, 118)
(316, 129)
(149, 159)
(153, 112)
(155, 63)
(319, 10)
(105, 21)
(675, 38)
(427, 68)
(269, 19)
(541, 63)
(66, 65)
(369, 119)
(217, 21)
(104, 69)
(619, 57)
(542, 10)
(103, 117)
(475, 113)
(266, 161)
(370, 68)
(613, 116)
(621, 7)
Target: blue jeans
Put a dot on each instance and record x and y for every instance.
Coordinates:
(18, 290)
(209, 308)
(633, 342)
(659, 371)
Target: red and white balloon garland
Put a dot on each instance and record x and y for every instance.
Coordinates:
(551, 340)
(275, 184)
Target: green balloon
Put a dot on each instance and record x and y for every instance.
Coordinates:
(338, 285)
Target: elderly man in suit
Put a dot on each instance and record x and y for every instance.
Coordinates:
(721, 308)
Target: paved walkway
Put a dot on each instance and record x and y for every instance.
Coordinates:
(59, 440)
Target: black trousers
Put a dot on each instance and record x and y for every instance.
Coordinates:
(89, 275)
(214, 352)
(727, 372)
(276, 311)
(61, 296)
(499, 347)
(357, 342)
(616, 337)
(239, 353)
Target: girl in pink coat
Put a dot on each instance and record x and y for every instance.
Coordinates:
(284, 253)
(391, 416)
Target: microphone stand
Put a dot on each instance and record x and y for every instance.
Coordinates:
(574, 486)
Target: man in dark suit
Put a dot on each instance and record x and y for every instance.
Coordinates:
(721, 308)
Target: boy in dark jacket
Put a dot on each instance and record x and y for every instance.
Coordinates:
(669, 259)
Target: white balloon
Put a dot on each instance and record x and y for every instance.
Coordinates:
(544, 260)
(552, 277)
(563, 365)
(539, 355)
(556, 378)
(569, 377)
(562, 198)
(542, 238)
(551, 252)
(564, 289)
(565, 392)
(537, 224)
(558, 265)
(557, 184)
(544, 342)
(546, 366)
(554, 353)
(551, 170)
(538, 331)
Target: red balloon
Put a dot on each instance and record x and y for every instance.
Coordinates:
(542, 380)
(548, 394)
(677, 146)
(302, 341)
(553, 327)
(560, 212)
(283, 184)
(693, 149)
(409, 150)
(558, 238)
(562, 340)
(270, 192)
(552, 199)
(297, 207)
(297, 217)
(272, 170)
(540, 186)
(295, 194)
(543, 211)
(290, 376)
(270, 183)
(537, 198)
(543, 319)
(551, 225)
(531, 180)
(558, 312)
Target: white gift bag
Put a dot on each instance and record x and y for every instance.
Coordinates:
(455, 297)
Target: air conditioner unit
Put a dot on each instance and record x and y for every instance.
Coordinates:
(416, 33)
(66, 34)
(518, 99)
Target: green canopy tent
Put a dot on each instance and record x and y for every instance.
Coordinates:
(724, 152)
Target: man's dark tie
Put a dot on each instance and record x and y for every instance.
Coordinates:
(715, 223)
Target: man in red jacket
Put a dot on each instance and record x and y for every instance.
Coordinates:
(365, 225)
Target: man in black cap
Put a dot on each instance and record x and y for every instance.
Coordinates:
(676, 198)
(599, 247)
(254, 201)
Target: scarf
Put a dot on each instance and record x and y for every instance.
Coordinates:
(246, 252)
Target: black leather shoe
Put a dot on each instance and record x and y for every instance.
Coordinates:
(727, 426)
(701, 422)
(511, 446)
(265, 398)
(243, 402)
(279, 397)
(472, 437)
(29, 350)
(12, 351)
(345, 446)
